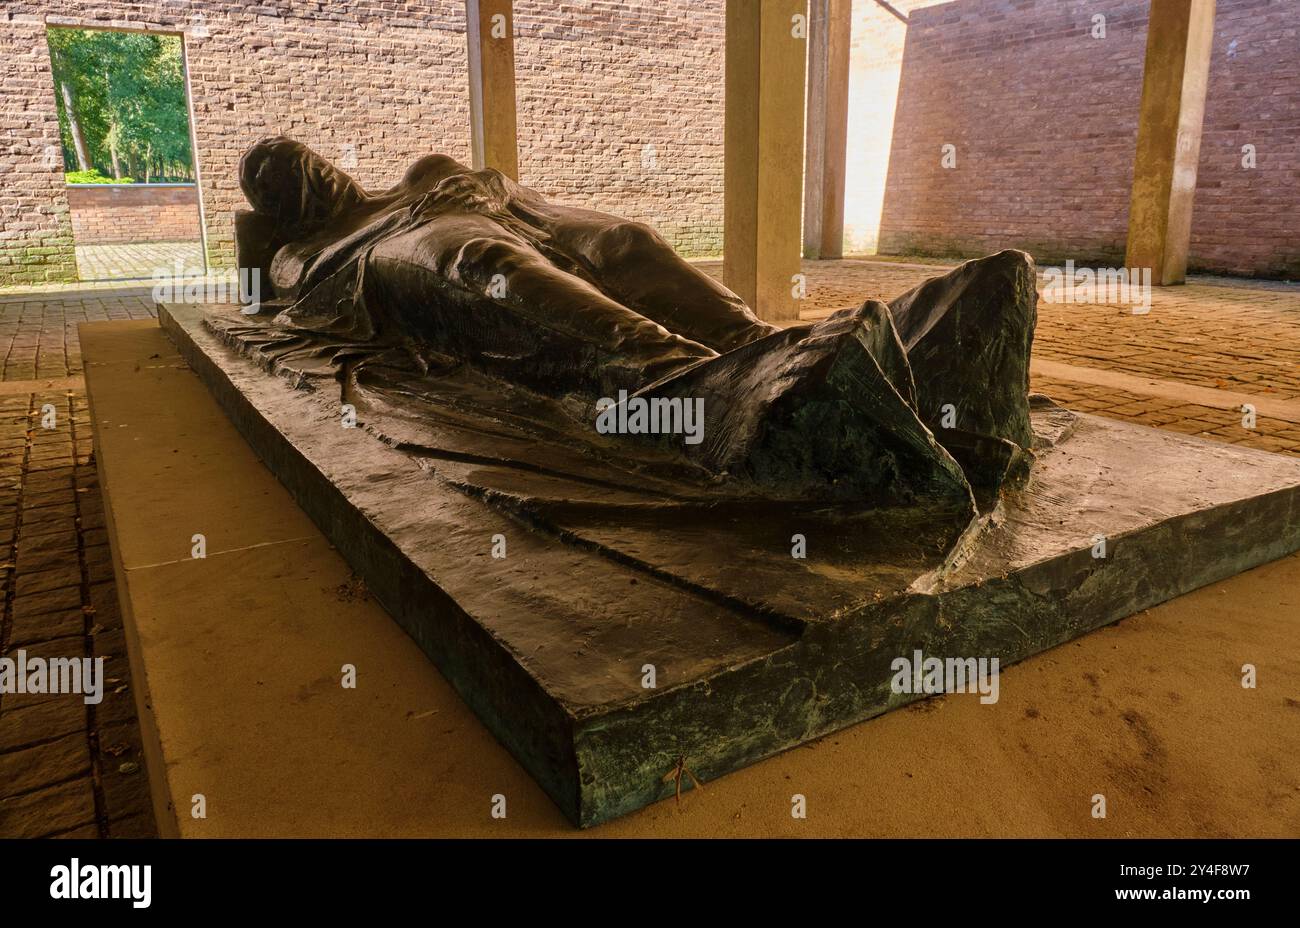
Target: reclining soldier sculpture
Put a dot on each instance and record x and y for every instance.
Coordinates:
(925, 397)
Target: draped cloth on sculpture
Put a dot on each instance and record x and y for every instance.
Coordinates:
(330, 297)
(462, 274)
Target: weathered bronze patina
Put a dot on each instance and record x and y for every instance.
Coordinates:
(862, 488)
(923, 398)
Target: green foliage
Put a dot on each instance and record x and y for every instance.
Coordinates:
(127, 91)
(94, 177)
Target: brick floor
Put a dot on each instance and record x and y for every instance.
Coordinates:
(66, 768)
(1233, 336)
(71, 769)
(137, 260)
(1190, 418)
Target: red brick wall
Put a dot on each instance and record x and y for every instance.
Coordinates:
(620, 107)
(384, 82)
(1044, 119)
(105, 213)
(1245, 220)
(35, 230)
(385, 78)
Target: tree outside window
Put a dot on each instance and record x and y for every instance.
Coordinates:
(122, 110)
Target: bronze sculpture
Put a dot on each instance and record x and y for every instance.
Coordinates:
(925, 397)
(857, 493)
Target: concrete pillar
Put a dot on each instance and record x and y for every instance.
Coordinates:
(766, 57)
(830, 28)
(1179, 37)
(490, 33)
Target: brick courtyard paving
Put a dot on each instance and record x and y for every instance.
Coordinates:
(66, 768)
(137, 260)
(71, 769)
(1187, 365)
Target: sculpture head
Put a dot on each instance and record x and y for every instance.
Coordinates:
(287, 180)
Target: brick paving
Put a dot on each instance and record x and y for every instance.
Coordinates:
(137, 260)
(1225, 425)
(66, 768)
(1234, 336)
(71, 769)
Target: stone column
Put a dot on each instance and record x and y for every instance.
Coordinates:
(766, 56)
(830, 25)
(1179, 37)
(490, 34)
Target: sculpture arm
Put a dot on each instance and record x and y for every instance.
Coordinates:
(487, 190)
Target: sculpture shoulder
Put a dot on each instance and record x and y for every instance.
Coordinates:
(428, 172)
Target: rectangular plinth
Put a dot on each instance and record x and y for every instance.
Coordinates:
(752, 651)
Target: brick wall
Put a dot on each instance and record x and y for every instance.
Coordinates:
(1044, 120)
(385, 78)
(375, 84)
(1245, 220)
(35, 229)
(621, 108)
(106, 213)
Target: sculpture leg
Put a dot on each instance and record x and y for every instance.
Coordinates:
(968, 336)
(479, 291)
(634, 264)
(818, 410)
